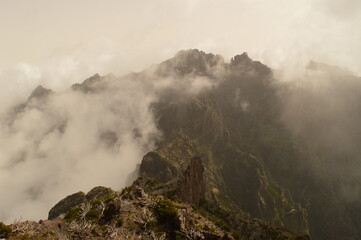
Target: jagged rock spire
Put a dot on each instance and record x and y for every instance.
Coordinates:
(191, 186)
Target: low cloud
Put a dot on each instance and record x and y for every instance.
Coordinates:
(321, 107)
(74, 140)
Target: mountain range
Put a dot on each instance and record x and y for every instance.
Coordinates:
(228, 163)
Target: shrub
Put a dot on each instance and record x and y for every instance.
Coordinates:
(126, 192)
(5, 230)
(167, 215)
(92, 215)
(222, 224)
(152, 226)
(167, 211)
(108, 198)
(73, 214)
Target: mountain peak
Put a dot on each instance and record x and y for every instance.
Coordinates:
(39, 92)
(244, 63)
(193, 55)
(240, 59)
(191, 61)
(189, 53)
(90, 84)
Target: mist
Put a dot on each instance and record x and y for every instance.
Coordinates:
(321, 107)
(96, 133)
(57, 148)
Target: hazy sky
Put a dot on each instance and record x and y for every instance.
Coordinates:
(122, 35)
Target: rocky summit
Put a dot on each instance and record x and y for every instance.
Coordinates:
(226, 166)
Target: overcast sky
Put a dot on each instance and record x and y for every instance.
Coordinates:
(56, 43)
(32, 31)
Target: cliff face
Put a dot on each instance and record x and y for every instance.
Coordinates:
(227, 126)
(252, 159)
(239, 184)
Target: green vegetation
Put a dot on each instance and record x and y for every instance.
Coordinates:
(172, 195)
(167, 216)
(222, 224)
(126, 192)
(152, 226)
(107, 198)
(5, 230)
(92, 215)
(167, 211)
(73, 214)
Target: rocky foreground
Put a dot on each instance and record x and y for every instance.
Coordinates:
(147, 209)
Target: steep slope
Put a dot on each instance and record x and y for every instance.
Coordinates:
(224, 121)
(241, 117)
(240, 182)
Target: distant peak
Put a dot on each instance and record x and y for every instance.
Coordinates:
(89, 85)
(190, 61)
(189, 53)
(196, 54)
(110, 75)
(40, 89)
(96, 76)
(244, 63)
(240, 59)
(40, 92)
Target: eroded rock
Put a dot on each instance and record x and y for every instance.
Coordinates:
(191, 186)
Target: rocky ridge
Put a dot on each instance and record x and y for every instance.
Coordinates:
(137, 212)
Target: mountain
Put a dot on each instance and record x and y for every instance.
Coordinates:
(226, 157)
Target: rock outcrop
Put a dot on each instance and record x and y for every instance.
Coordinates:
(99, 192)
(155, 166)
(191, 186)
(66, 204)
